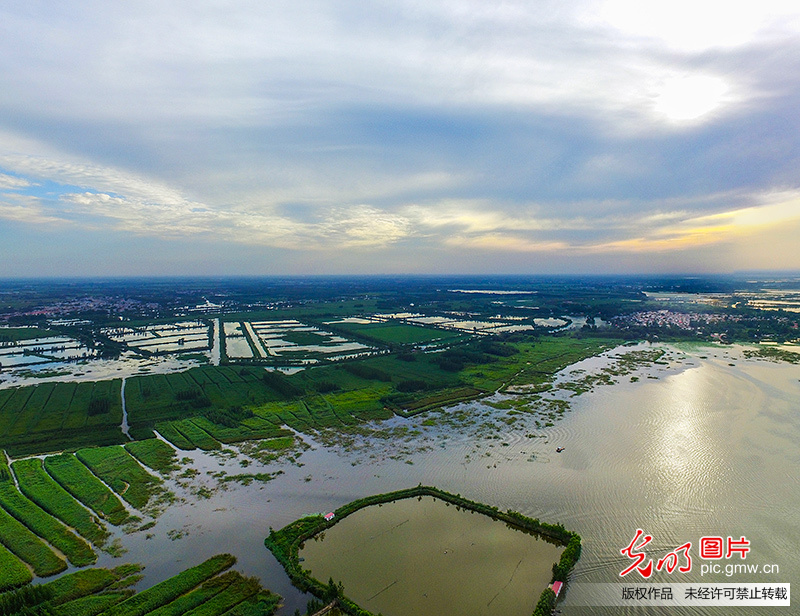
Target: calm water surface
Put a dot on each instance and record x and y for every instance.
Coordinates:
(425, 556)
(696, 447)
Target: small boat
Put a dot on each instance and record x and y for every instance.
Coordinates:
(560, 449)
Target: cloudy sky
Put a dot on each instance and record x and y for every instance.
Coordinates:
(555, 136)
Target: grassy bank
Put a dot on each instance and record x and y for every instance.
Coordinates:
(42, 489)
(72, 475)
(169, 590)
(198, 591)
(77, 551)
(118, 469)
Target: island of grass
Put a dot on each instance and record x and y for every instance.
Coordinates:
(287, 543)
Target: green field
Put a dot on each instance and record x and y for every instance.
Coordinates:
(198, 596)
(86, 582)
(119, 470)
(198, 437)
(400, 333)
(92, 605)
(10, 334)
(74, 594)
(199, 591)
(154, 453)
(169, 590)
(240, 589)
(155, 398)
(306, 338)
(535, 363)
(207, 406)
(72, 475)
(37, 485)
(77, 551)
(12, 572)
(168, 430)
(28, 547)
(55, 416)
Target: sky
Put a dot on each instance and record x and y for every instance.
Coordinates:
(449, 137)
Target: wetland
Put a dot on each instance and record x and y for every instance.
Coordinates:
(681, 439)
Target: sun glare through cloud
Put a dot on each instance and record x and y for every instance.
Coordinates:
(690, 97)
(460, 133)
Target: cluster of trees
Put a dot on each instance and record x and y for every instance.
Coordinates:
(326, 387)
(230, 417)
(482, 352)
(278, 382)
(367, 372)
(98, 406)
(22, 599)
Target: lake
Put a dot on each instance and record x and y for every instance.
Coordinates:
(691, 447)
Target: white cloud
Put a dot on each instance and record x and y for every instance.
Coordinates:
(28, 210)
(10, 182)
(313, 125)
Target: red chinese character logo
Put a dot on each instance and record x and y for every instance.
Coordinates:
(711, 548)
(741, 546)
(671, 560)
(632, 552)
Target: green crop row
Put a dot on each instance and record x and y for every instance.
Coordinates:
(12, 572)
(83, 583)
(240, 589)
(154, 453)
(170, 432)
(78, 480)
(92, 605)
(262, 604)
(119, 470)
(250, 429)
(28, 547)
(77, 551)
(196, 435)
(442, 398)
(167, 591)
(43, 490)
(197, 597)
(75, 594)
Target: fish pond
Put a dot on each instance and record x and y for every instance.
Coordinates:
(426, 556)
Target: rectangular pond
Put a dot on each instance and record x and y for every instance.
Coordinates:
(428, 557)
